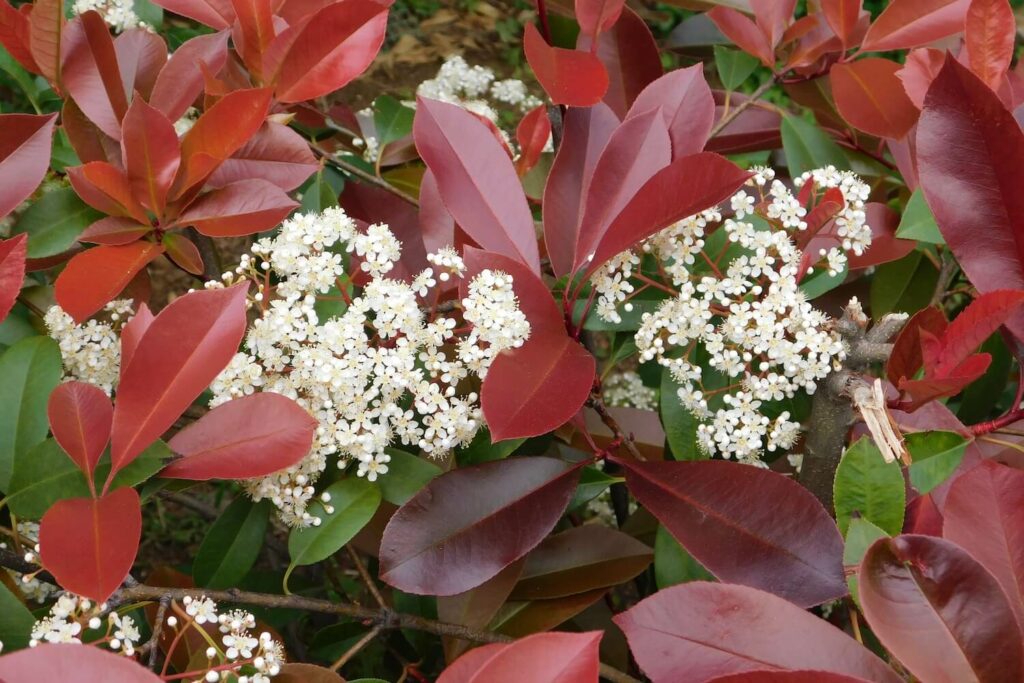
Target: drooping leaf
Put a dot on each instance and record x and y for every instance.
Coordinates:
(541, 658)
(232, 544)
(989, 35)
(727, 516)
(179, 354)
(696, 631)
(871, 98)
(248, 437)
(354, 500)
(867, 486)
(68, 662)
(89, 544)
(243, 207)
(570, 77)
(630, 57)
(31, 369)
(25, 142)
(12, 272)
(468, 524)
(54, 222)
(910, 23)
(151, 154)
(95, 277)
(80, 417)
(938, 611)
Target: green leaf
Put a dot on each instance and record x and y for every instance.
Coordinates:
(54, 222)
(42, 476)
(481, 449)
(63, 154)
(672, 564)
(734, 66)
(232, 544)
(406, 475)
(918, 223)
(21, 77)
(144, 466)
(982, 395)
(819, 282)
(16, 621)
(30, 370)
(679, 423)
(868, 486)
(354, 501)
(319, 193)
(859, 538)
(807, 147)
(593, 482)
(935, 456)
(904, 286)
(631, 319)
(392, 119)
(152, 15)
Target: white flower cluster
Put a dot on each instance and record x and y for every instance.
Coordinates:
(625, 388)
(240, 649)
(64, 624)
(387, 368)
(739, 305)
(91, 352)
(119, 14)
(475, 89)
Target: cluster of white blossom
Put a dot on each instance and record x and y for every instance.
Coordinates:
(741, 306)
(240, 657)
(91, 352)
(72, 619)
(626, 389)
(30, 586)
(475, 88)
(387, 368)
(119, 14)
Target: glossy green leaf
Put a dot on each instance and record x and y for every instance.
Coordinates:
(905, 285)
(42, 476)
(819, 282)
(807, 147)
(320, 193)
(982, 395)
(481, 449)
(672, 564)
(232, 544)
(54, 222)
(869, 487)
(593, 482)
(734, 66)
(859, 538)
(354, 501)
(16, 621)
(29, 370)
(407, 474)
(679, 423)
(392, 119)
(918, 223)
(935, 456)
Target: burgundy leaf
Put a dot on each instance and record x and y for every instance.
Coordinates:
(910, 23)
(885, 246)
(67, 662)
(132, 332)
(275, 153)
(974, 325)
(243, 207)
(46, 28)
(80, 417)
(569, 77)
(630, 57)
(141, 54)
(468, 524)
(95, 277)
(687, 107)
(12, 271)
(88, 141)
(917, 392)
(181, 80)
(939, 612)
(24, 156)
(15, 30)
(91, 73)
(532, 134)
(183, 252)
(906, 358)
(151, 154)
(754, 129)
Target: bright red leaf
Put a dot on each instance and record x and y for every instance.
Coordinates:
(697, 631)
(569, 77)
(971, 328)
(773, 17)
(990, 34)
(80, 417)
(532, 133)
(804, 676)
(218, 14)
(181, 80)
(254, 32)
(248, 437)
(276, 153)
(910, 23)
(114, 231)
(141, 55)
(541, 658)
(939, 612)
(465, 667)
(183, 252)
(46, 29)
(105, 188)
(243, 207)
(468, 524)
(69, 662)
(12, 271)
(91, 73)
(89, 544)
(151, 154)
(179, 354)
(687, 107)
(842, 16)
(919, 70)
(14, 36)
(630, 56)
(24, 156)
(95, 277)
(870, 96)
(132, 332)
(906, 358)
(597, 16)
(743, 32)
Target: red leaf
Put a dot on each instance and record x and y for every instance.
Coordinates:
(920, 391)
(46, 26)
(254, 32)
(24, 156)
(586, 132)
(463, 668)
(687, 107)
(870, 97)
(804, 676)
(885, 246)
(468, 524)
(919, 70)
(12, 271)
(911, 23)
(91, 72)
(327, 50)
(181, 80)
(989, 34)
(981, 213)
(275, 153)
(569, 77)
(939, 612)
(220, 132)
(244, 207)
(984, 514)
(597, 16)
(114, 231)
(436, 225)
(181, 352)
(88, 141)
(183, 252)
(80, 417)
(72, 663)
(630, 57)
(697, 631)
(14, 36)
(974, 325)
(89, 544)
(217, 14)
(842, 16)
(636, 151)
(132, 332)
(906, 358)
(95, 277)
(532, 133)
(727, 516)
(754, 129)
(541, 658)
(477, 180)
(773, 17)
(151, 154)
(141, 54)
(106, 188)
(248, 437)
(683, 188)
(743, 32)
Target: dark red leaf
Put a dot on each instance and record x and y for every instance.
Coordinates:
(989, 35)
(477, 180)
(14, 36)
(46, 28)
(24, 156)
(911, 23)
(151, 154)
(96, 276)
(326, 51)
(597, 16)
(870, 97)
(920, 391)
(12, 271)
(541, 658)
(141, 54)
(981, 213)
(727, 516)
(754, 129)
(842, 16)
(217, 14)
(307, 673)
(181, 80)
(183, 252)
(476, 607)
(88, 141)
(630, 57)
(687, 107)
(244, 207)
(248, 437)
(788, 677)
(72, 663)
(176, 358)
(743, 32)
(569, 77)
(275, 153)
(939, 612)
(697, 631)
(91, 73)
(468, 524)
(532, 133)
(906, 358)
(974, 325)
(586, 132)
(114, 231)
(80, 417)
(89, 544)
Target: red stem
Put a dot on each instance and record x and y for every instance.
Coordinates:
(1003, 420)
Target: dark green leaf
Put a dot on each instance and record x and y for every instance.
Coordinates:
(734, 66)
(54, 222)
(679, 423)
(406, 475)
(905, 285)
(319, 193)
(819, 282)
(982, 395)
(934, 456)
(392, 119)
(354, 501)
(482, 450)
(232, 544)
(42, 476)
(16, 621)
(29, 370)
(807, 147)
(593, 482)
(869, 487)
(672, 564)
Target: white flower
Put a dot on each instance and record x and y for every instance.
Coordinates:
(91, 352)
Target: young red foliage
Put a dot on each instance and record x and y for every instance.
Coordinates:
(871, 97)
(46, 33)
(91, 73)
(687, 107)
(804, 676)
(906, 357)
(276, 153)
(14, 36)
(990, 32)
(69, 662)
(843, 16)
(217, 14)
(532, 133)
(243, 207)
(744, 33)
(248, 437)
(151, 154)
(597, 16)
(89, 544)
(94, 277)
(12, 271)
(105, 188)
(80, 417)
(773, 17)
(182, 252)
(630, 57)
(114, 231)
(24, 156)
(919, 70)
(911, 23)
(569, 77)
(180, 81)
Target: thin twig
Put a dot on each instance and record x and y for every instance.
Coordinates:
(352, 169)
(946, 274)
(354, 650)
(742, 106)
(158, 625)
(611, 423)
(365, 576)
